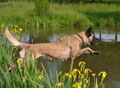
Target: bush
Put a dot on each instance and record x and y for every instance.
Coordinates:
(41, 7)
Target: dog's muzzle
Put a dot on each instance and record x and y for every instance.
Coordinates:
(95, 41)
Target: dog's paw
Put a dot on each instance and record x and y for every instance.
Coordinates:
(96, 52)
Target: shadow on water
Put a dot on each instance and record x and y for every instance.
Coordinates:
(107, 61)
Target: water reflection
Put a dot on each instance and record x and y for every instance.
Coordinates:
(105, 36)
(51, 36)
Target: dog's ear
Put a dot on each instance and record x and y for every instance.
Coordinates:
(88, 32)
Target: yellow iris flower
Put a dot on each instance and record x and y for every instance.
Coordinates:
(81, 62)
(19, 60)
(40, 77)
(93, 74)
(58, 85)
(104, 74)
(16, 26)
(78, 85)
(20, 29)
(86, 70)
(75, 70)
(67, 75)
(23, 79)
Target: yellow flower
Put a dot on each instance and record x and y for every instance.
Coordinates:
(82, 76)
(2, 26)
(104, 74)
(86, 70)
(20, 70)
(40, 77)
(17, 31)
(86, 81)
(96, 86)
(14, 30)
(81, 62)
(70, 75)
(84, 85)
(58, 84)
(75, 85)
(20, 29)
(16, 25)
(93, 74)
(74, 71)
(23, 79)
(19, 60)
(66, 74)
(78, 85)
(42, 71)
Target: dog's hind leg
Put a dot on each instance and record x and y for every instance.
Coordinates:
(72, 55)
(72, 61)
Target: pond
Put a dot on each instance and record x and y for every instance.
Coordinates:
(109, 47)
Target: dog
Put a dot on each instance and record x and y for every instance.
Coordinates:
(64, 48)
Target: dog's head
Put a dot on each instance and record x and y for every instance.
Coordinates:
(92, 40)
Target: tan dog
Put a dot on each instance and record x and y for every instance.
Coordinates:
(64, 48)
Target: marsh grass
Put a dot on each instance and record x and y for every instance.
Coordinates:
(23, 13)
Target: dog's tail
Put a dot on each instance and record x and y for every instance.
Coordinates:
(12, 39)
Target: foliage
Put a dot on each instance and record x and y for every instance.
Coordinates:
(41, 7)
(23, 13)
(71, 1)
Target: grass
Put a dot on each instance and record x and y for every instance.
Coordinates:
(22, 13)
(32, 77)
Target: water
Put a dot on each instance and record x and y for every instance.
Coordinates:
(109, 47)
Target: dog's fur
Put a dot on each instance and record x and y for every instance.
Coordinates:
(64, 48)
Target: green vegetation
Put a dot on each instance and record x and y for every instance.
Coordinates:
(23, 13)
(72, 1)
(41, 7)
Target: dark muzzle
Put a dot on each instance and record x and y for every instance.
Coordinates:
(95, 41)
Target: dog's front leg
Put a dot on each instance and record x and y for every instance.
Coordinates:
(86, 50)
